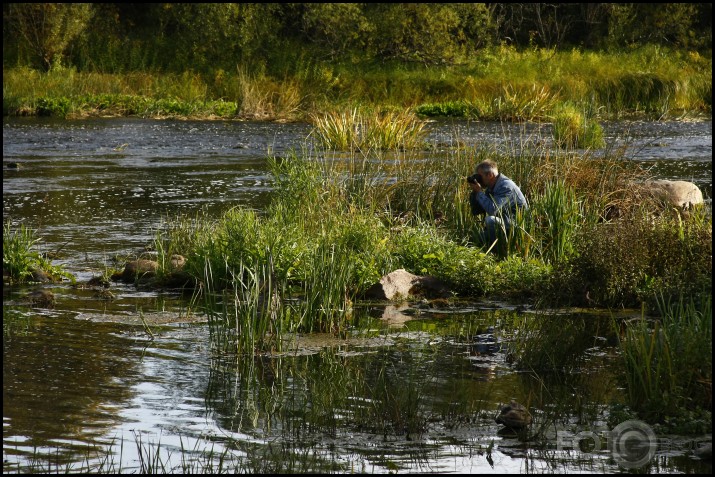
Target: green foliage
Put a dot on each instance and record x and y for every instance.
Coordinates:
(621, 264)
(57, 107)
(573, 130)
(665, 23)
(45, 30)
(338, 28)
(443, 33)
(276, 38)
(668, 361)
(450, 109)
(20, 259)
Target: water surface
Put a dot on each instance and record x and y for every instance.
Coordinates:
(412, 390)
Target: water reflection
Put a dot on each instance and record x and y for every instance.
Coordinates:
(419, 399)
(62, 383)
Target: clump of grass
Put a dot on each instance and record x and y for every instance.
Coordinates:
(358, 130)
(559, 216)
(260, 97)
(668, 360)
(21, 261)
(522, 104)
(572, 129)
(18, 257)
(449, 109)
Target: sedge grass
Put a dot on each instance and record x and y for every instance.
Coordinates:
(19, 258)
(668, 360)
(22, 262)
(559, 214)
(573, 129)
(354, 129)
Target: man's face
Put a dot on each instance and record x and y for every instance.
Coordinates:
(486, 179)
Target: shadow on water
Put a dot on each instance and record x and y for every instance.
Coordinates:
(132, 383)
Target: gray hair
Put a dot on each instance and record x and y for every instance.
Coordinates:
(488, 166)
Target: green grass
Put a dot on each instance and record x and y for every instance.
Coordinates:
(21, 261)
(501, 83)
(574, 130)
(668, 360)
(356, 130)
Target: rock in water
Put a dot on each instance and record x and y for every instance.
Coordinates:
(514, 416)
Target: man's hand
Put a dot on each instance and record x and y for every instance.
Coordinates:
(475, 186)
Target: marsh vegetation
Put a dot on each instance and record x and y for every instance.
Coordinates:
(365, 194)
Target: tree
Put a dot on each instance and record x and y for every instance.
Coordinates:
(672, 24)
(47, 29)
(338, 27)
(431, 33)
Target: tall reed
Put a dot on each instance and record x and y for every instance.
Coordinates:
(668, 360)
(328, 294)
(558, 213)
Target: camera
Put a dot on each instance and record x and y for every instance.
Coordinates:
(475, 179)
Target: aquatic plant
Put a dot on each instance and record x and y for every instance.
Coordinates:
(573, 129)
(622, 263)
(360, 130)
(18, 257)
(557, 213)
(21, 261)
(668, 359)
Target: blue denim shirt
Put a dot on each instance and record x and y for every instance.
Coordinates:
(502, 200)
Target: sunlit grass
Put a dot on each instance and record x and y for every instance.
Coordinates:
(574, 130)
(500, 83)
(356, 130)
(21, 259)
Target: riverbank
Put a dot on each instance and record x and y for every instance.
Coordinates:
(501, 84)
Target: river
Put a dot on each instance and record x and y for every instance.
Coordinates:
(85, 387)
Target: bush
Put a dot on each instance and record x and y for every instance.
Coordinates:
(621, 264)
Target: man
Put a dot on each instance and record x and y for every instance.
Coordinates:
(497, 196)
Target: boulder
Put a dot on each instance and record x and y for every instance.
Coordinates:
(681, 194)
(402, 284)
(514, 416)
(137, 269)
